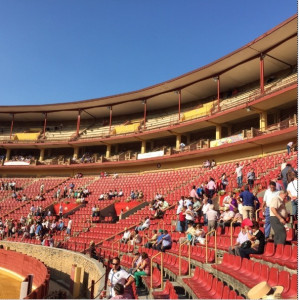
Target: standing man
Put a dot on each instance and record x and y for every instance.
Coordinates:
(278, 216)
(268, 196)
(289, 147)
(69, 226)
(292, 190)
(239, 174)
(248, 203)
(118, 275)
(251, 178)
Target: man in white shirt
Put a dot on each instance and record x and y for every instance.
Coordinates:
(145, 225)
(126, 236)
(211, 216)
(118, 275)
(278, 216)
(189, 214)
(242, 237)
(239, 174)
(268, 196)
(69, 226)
(205, 208)
(292, 190)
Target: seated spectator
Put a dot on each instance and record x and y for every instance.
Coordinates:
(121, 194)
(101, 197)
(258, 242)
(166, 242)
(143, 268)
(132, 195)
(94, 211)
(238, 218)
(190, 232)
(119, 292)
(126, 236)
(227, 199)
(145, 225)
(140, 195)
(211, 216)
(115, 176)
(244, 235)
(135, 262)
(199, 235)
(158, 196)
(136, 239)
(226, 218)
(85, 192)
(151, 241)
(156, 245)
(162, 207)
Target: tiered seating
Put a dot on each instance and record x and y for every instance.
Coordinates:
(205, 286)
(251, 273)
(168, 292)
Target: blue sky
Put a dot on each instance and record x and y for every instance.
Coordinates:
(67, 50)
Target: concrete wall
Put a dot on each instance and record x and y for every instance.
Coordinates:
(59, 263)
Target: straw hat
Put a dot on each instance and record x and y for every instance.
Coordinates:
(264, 291)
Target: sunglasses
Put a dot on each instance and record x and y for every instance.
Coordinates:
(114, 264)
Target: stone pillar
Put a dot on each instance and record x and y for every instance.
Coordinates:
(143, 148)
(7, 158)
(108, 151)
(263, 121)
(178, 141)
(76, 150)
(42, 154)
(218, 132)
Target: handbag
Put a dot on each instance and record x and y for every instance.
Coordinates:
(246, 245)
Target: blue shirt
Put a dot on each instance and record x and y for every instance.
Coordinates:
(167, 241)
(248, 198)
(160, 237)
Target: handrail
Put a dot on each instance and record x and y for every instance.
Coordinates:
(180, 257)
(161, 270)
(112, 246)
(231, 233)
(92, 287)
(256, 213)
(206, 246)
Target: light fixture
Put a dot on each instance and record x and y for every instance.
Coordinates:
(216, 78)
(248, 109)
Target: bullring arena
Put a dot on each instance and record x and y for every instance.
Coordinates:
(199, 159)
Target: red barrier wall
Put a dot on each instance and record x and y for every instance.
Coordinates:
(25, 265)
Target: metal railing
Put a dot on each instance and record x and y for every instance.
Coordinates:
(256, 214)
(206, 245)
(161, 272)
(180, 256)
(231, 233)
(112, 246)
